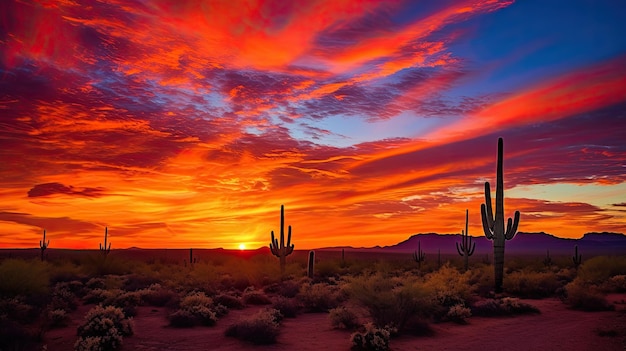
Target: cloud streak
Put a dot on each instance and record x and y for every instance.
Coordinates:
(189, 125)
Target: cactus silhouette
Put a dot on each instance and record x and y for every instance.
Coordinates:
(192, 259)
(43, 245)
(466, 249)
(419, 255)
(494, 226)
(311, 264)
(578, 259)
(281, 250)
(103, 248)
(548, 260)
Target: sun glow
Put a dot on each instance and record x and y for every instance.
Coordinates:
(242, 247)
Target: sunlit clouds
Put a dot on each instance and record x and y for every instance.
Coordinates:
(189, 124)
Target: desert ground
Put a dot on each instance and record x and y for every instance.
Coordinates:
(562, 321)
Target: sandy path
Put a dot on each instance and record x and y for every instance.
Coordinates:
(556, 328)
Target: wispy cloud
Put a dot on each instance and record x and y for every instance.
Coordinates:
(189, 124)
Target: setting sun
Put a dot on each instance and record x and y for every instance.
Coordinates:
(242, 247)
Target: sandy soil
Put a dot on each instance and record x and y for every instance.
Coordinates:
(556, 328)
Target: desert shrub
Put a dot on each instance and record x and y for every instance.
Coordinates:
(156, 295)
(183, 319)
(136, 282)
(289, 308)
(103, 329)
(392, 303)
(343, 318)
(96, 283)
(126, 300)
(319, 297)
(195, 309)
(76, 287)
(371, 339)
(62, 298)
(506, 306)
(328, 268)
(600, 268)
(615, 284)
(458, 314)
(287, 288)
(229, 301)
(585, 297)
(481, 280)
(17, 310)
(449, 286)
(98, 295)
(531, 284)
(261, 328)
(58, 318)
(255, 297)
(19, 277)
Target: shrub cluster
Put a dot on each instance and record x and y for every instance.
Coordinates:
(319, 297)
(103, 329)
(458, 314)
(289, 308)
(196, 309)
(390, 302)
(371, 339)
(255, 297)
(261, 328)
(585, 297)
(343, 318)
(506, 306)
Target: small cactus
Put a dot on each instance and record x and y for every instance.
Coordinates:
(103, 248)
(548, 260)
(466, 249)
(43, 245)
(419, 255)
(578, 259)
(281, 250)
(191, 259)
(311, 264)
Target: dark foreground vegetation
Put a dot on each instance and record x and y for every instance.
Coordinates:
(374, 297)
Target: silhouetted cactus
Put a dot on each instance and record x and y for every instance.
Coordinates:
(419, 256)
(281, 250)
(43, 245)
(578, 259)
(494, 226)
(192, 259)
(466, 249)
(311, 264)
(104, 249)
(548, 260)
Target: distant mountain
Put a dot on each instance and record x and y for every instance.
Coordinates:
(522, 243)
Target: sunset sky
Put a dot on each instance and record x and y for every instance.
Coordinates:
(189, 125)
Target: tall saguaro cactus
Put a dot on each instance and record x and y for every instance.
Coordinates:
(419, 256)
(103, 248)
(466, 249)
(493, 226)
(281, 250)
(43, 245)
